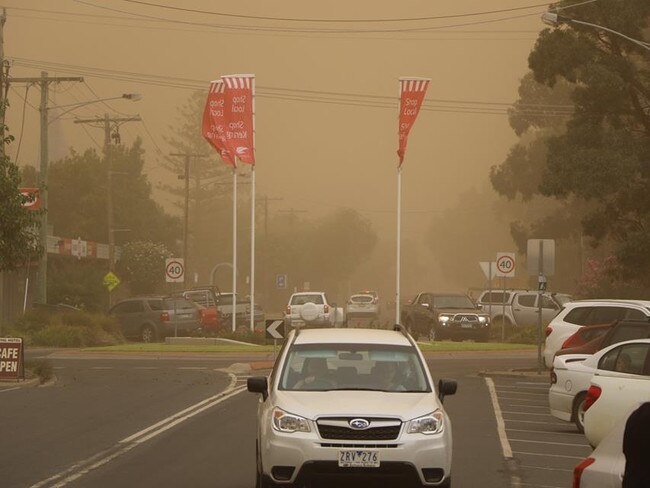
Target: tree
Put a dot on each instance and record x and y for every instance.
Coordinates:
(18, 225)
(143, 266)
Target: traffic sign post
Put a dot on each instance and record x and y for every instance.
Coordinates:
(505, 268)
(541, 263)
(281, 281)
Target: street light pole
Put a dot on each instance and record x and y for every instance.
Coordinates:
(554, 19)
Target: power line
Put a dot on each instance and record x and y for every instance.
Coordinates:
(22, 124)
(293, 19)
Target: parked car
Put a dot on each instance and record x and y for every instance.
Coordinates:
(622, 383)
(570, 380)
(352, 405)
(361, 305)
(150, 318)
(312, 309)
(585, 336)
(223, 301)
(589, 312)
(518, 308)
(606, 335)
(446, 316)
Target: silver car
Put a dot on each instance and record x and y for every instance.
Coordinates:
(352, 403)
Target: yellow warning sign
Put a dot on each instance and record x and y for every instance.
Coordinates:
(111, 281)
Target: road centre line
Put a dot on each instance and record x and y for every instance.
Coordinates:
(501, 426)
(551, 443)
(83, 467)
(548, 455)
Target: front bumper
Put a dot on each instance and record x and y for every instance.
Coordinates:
(457, 331)
(561, 404)
(411, 457)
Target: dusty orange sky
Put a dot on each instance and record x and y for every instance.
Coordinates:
(316, 156)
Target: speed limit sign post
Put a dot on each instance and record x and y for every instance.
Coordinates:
(505, 267)
(175, 270)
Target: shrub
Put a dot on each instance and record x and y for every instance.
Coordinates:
(244, 334)
(40, 368)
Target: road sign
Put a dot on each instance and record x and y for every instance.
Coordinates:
(34, 198)
(175, 270)
(541, 257)
(111, 281)
(505, 264)
(12, 358)
(272, 331)
(485, 267)
(281, 281)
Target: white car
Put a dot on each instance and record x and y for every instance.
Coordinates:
(570, 379)
(589, 312)
(622, 383)
(312, 309)
(352, 403)
(361, 305)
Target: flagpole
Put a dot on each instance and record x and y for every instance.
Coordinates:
(234, 247)
(252, 248)
(399, 243)
(253, 217)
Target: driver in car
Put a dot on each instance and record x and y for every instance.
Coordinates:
(316, 376)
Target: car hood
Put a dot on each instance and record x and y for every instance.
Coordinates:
(343, 403)
(460, 310)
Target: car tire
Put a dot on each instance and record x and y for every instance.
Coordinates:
(578, 411)
(148, 333)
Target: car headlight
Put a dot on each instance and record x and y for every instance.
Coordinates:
(289, 423)
(429, 424)
(443, 319)
(483, 320)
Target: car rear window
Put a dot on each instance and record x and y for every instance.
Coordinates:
(578, 315)
(526, 300)
(629, 332)
(178, 304)
(302, 299)
(361, 299)
(155, 304)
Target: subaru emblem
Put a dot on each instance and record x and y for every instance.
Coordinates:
(359, 424)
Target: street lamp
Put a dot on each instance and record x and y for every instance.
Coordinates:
(554, 19)
(134, 97)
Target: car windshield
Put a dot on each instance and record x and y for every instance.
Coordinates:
(452, 301)
(370, 367)
(302, 299)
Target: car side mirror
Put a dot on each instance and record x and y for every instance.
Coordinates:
(258, 384)
(446, 387)
(479, 306)
(426, 305)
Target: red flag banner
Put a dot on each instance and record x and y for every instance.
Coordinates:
(213, 126)
(412, 92)
(240, 116)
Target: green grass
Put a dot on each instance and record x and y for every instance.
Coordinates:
(444, 346)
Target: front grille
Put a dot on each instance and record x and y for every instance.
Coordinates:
(341, 430)
(466, 318)
(359, 446)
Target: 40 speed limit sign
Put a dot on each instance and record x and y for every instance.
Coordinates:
(174, 270)
(505, 264)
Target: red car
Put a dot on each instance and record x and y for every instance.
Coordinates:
(606, 335)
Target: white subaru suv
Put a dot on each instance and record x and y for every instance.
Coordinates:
(354, 404)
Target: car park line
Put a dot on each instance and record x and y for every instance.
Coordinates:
(547, 442)
(10, 389)
(501, 427)
(544, 432)
(549, 455)
(527, 413)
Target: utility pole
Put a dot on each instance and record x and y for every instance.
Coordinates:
(186, 177)
(106, 123)
(265, 250)
(44, 82)
(4, 82)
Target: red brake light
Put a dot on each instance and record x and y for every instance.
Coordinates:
(326, 308)
(593, 394)
(553, 377)
(164, 317)
(548, 331)
(567, 343)
(577, 471)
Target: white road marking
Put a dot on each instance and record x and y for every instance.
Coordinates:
(529, 406)
(10, 389)
(501, 427)
(102, 367)
(550, 443)
(528, 413)
(547, 455)
(198, 368)
(503, 387)
(518, 399)
(520, 392)
(528, 466)
(539, 486)
(530, 383)
(146, 367)
(535, 422)
(544, 431)
(81, 468)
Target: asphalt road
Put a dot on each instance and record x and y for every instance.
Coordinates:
(116, 422)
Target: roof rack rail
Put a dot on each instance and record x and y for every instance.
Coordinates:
(400, 328)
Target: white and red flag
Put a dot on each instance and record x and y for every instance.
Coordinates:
(412, 92)
(239, 111)
(214, 122)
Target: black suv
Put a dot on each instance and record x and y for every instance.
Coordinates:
(151, 318)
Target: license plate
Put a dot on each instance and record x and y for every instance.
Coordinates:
(466, 326)
(358, 459)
